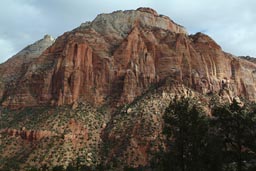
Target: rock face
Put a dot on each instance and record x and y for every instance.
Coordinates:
(50, 135)
(16, 67)
(28, 135)
(249, 58)
(13, 68)
(76, 129)
(86, 73)
(118, 56)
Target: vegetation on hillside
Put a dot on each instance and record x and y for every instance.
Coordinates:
(221, 137)
(224, 141)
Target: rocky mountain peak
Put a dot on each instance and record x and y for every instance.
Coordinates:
(99, 92)
(14, 67)
(48, 37)
(36, 48)
(202, 38)
(117, 57)
(41, 45)
(148, 10)
(122, 22)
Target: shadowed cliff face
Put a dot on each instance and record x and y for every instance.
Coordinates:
(118, 56)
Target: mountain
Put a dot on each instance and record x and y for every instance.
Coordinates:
(118, 56)
(98, 92)
(249, 58)
(16, 67)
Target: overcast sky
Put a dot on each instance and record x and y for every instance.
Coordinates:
(231, 23)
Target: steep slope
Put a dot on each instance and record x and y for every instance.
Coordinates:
(99, 91)
(249, 58)
(118, 56)
(14, 68)
(46, 137)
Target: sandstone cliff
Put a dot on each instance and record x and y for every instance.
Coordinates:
(117, 56)
(136, 60)
(15, 68)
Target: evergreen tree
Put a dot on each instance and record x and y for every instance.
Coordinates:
(235, 124)
(186, 127)
(58, 168)
(71, 168)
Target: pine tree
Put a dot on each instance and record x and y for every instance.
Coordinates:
(186, 127)
(235, 124)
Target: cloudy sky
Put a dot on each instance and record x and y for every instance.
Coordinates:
(231, 23)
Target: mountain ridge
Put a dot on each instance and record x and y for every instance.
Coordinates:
(104, 60)
(99, 92)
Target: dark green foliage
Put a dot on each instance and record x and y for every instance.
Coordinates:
(85, 168)
(71, 168)
(140, 168)
(79, 166)
(58, 168)
(235, 125)
(196, 142)
(186, 128)
(33, 169)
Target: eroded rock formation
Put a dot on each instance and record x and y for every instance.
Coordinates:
(118, 56)
(75, 128)
(28, 135)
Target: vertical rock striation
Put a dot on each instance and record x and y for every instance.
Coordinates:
(118, 56)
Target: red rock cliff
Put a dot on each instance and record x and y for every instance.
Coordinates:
(118, 56)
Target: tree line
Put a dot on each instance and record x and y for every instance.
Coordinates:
(223, 141)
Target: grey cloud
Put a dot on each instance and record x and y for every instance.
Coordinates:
(230, 23)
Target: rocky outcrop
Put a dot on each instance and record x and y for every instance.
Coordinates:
(13, 68)
(75, 131)
(249, 58)
(118, 56)
(16, 67)
(112, 60)
(28, 135)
